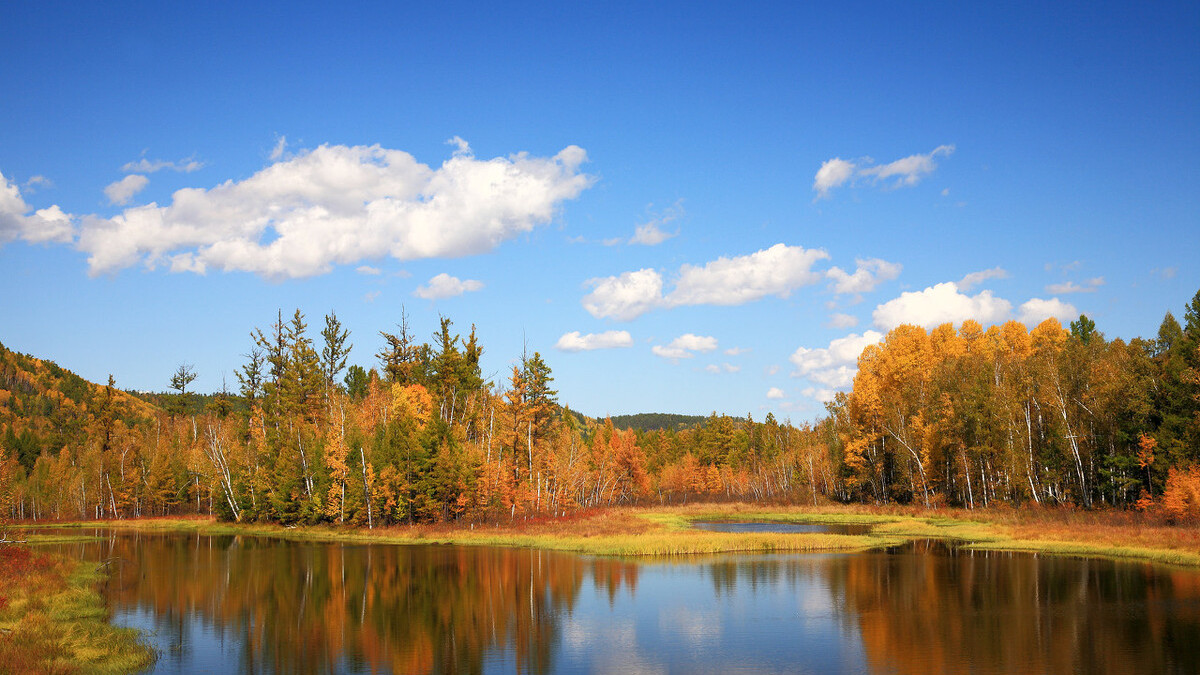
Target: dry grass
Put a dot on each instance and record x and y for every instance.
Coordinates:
(668, 531)
(52, 619)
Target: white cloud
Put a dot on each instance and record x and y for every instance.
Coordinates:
(840, 352)
(38, 181)
(695, 343)
(832, 367)
(446, 286)
(683, 346)
(123, 190)
(908, 171)
(736, 351)
(43, 225)
(772, 369)
(279, 149)
(368, 270)
(1089, 286)
(975, 278)
(734, 281)
(940, 304)
(1037, 310)
(842, 321)
(144, 165)
(671, 352)
(371, 295)
(834, 378)
(651, 233)
(869, 274)
(725, 281)
(775, 393)
(730, 368)
(823, 395)
(574, 342)
(626, 297)
(833, 173)
(339, 205)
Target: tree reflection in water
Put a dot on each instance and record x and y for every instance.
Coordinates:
(330, 607)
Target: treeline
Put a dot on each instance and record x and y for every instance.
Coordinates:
(422, 437)
(960, 417)
(1051, 416)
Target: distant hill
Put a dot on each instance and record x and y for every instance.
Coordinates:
(656, 421)
(46, 407)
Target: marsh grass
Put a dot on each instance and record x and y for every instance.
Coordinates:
(53, 620)
(647, 531)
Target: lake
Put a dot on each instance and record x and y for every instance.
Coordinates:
(249, 604)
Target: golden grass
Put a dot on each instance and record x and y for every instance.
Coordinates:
(668, 531)
(53, 619)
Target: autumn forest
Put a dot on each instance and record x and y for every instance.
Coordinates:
(957, 416)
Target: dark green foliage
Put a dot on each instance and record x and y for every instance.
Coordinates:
(1083, 329)
(356, 382)
(656, 421)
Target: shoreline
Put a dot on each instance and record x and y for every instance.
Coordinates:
(668, 531)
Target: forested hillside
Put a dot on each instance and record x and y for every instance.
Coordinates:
(954, 416)
(656, 421)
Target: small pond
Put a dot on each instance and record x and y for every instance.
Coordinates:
(233, 604)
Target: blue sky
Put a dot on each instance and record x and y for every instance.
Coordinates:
(689, 207)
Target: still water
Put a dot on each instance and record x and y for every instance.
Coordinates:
(232, 604)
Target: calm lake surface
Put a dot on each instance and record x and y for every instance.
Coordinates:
(232, 604)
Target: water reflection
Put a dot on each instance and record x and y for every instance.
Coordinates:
(228, 604)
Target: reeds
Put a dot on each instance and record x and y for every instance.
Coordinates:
(53, 620)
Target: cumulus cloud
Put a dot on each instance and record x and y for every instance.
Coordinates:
(834, 378)
(446, 286)
(725, 281)
(939, 304)
(907, 171)
(975, 278)
(123, 190)
(368, 270)
(840, 352)
(734, 281)
(41, 226)
(624, 297)
(775, 393)
(736, 351)
(685, 346)
(144, 165)
(839, 320)
(574, 342)
(832, 367)
(821, 394)
(833, 173)
(338, 205)
(651, 233)
(1037, 310)
(870, 273)
(1088, 286)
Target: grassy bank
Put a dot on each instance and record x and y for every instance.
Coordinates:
(53, 620)
(669, 531)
